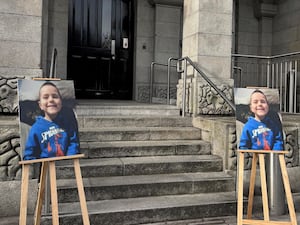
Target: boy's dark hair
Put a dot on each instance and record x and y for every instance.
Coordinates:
(51, 84)
(258, 91)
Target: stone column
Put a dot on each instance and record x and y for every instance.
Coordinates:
(265, 12)
(207, 41)
(207, 35)
(20, 38)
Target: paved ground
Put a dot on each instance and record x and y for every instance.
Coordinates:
(231, 220)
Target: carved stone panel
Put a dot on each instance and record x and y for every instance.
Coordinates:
(8, 95)
(10, 154)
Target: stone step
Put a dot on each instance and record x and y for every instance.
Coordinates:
(127, 166)
(149, 209)
(109, 108)
(138, 121)
(139, 133)
(119, 187)
(144, 148)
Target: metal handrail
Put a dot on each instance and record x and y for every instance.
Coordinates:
(169, 77)
(52, 73)
(265, 57)
(281, 71)
(205, 77)
(152, 78)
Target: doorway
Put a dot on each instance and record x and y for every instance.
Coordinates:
(100, 48)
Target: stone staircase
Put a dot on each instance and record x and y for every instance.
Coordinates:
(144, 164)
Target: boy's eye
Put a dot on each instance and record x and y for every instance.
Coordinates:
(48, 96)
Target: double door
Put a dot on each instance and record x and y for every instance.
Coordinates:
(100, 48)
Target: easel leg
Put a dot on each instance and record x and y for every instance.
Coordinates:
(264, 187)
(287, 188)
(252, 186)
(41, 193)
(24, 195)
(52, 173)
(240, 189)
(84, 211)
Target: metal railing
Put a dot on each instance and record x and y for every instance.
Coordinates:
(280, 72)
(169, 66)
(52, 73)
(183, 69)
(182, 65)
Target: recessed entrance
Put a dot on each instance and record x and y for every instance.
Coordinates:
(100, 48)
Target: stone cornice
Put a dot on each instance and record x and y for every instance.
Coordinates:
(264, 9)
(167, 2)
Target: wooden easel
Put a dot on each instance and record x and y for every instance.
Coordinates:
(49, 163)
(260, 155)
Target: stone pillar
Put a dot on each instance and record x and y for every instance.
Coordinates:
(207, 35)
(167, 40)
(265, 12)
(20, 38)
(207, 41)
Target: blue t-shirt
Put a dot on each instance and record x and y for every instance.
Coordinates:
(261, 135)
(51, 139)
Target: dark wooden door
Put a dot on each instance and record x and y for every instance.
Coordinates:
(100, 48)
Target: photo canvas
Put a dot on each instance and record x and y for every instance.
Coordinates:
(48, 123)
(258, 121)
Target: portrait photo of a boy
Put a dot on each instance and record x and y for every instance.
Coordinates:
(258, 120)
(47, 119)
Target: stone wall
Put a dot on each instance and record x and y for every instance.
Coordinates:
(267, 27)
(221, 132)
(20, 38)
(286, 27)
(207, 35)
(158, 37)
(55, 35)
(202, 99)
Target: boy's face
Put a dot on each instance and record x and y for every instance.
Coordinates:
(50, 101)
(259, 105)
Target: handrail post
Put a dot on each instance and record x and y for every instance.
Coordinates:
(169, 78)
(52, 73)
(295, 87)
(184, 87)
(268, 72)
(151, 81)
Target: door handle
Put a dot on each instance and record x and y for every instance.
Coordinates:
(113, 49)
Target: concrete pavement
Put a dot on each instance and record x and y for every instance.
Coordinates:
(230, 220)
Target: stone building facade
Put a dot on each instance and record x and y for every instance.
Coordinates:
(207, 31)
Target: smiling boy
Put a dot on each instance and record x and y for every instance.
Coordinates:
(261, 132)
(51, 135)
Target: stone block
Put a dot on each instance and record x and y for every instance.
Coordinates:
(215, 23)
(166, 45)
(145, 29)
(59, 5)
(214, 44)
(167, 30)
(190, 25)
(215, 66)
(190, 47)
(144, 44)
(20, 72)
(20, 54)
(145, 14)
(168, 14)
(26, 7)
(10, 194)
(20, 28)
(224, 6)
(191, 7)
